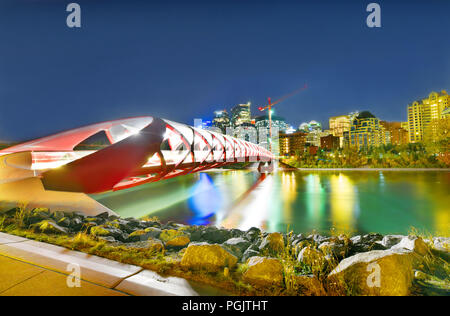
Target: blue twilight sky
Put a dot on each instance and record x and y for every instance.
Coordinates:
(184, 59)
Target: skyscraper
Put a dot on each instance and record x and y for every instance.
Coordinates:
(262, 125)
(221, 120)
(240, 114)
(422, 113)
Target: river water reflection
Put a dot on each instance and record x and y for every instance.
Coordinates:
(350, 201)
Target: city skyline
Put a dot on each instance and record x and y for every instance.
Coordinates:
(185, 61)
(297, 125)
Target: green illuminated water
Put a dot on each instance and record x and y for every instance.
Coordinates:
(386, 202)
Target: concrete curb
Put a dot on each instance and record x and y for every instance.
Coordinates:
(8, 239)
(126, 278)
(149, 283)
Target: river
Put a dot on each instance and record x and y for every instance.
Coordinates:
(386, 202)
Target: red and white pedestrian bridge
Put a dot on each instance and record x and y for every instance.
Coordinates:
(58, 171)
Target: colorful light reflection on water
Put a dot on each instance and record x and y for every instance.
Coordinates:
(204, 201)
(353, 201)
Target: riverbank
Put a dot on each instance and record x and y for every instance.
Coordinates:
(370, 169)
(249, 262)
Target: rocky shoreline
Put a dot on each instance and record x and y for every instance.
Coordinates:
(253, 261)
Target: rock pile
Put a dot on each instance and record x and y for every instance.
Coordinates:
(370, 264)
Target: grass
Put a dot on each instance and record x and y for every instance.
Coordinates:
(2, 222)
(318, 284)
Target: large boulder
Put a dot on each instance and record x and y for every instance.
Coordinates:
(37, 215)
(441, 247)
(94, 219)
(253, 234)
(311, 257)
(105, 231)
(441, 244)
(144, 234)
(57, 215)
(318, 239)
(236, 233)
(366, 243)
(48, 226)
(64, 222)
(210, 257)
(264, 271)
(377, 272)
(178, 242)
(336, 249)
(154, 245)
(413, 243)
(169, 234)
(195, 232)
(214, 235)
(150, 223)
(237, 246)
(273, 243)
(76, 223)
(125, 225)
(391, 240)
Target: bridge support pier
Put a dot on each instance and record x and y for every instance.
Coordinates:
(266, 166)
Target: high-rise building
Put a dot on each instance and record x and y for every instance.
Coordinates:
(277, 122)
(340, 124)
(365, 131)
(221, 120)
(422, 113)
(291, 143)
(395, 133)
(262, 125)
(446, 113)
(241, 114)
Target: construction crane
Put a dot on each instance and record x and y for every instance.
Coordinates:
(270, 105)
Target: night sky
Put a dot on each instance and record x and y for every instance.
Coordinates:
(184, 59)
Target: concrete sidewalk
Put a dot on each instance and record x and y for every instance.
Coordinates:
(29, 267)
(18, 278)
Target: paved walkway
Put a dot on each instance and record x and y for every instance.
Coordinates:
(29, 267)
(18, 278)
